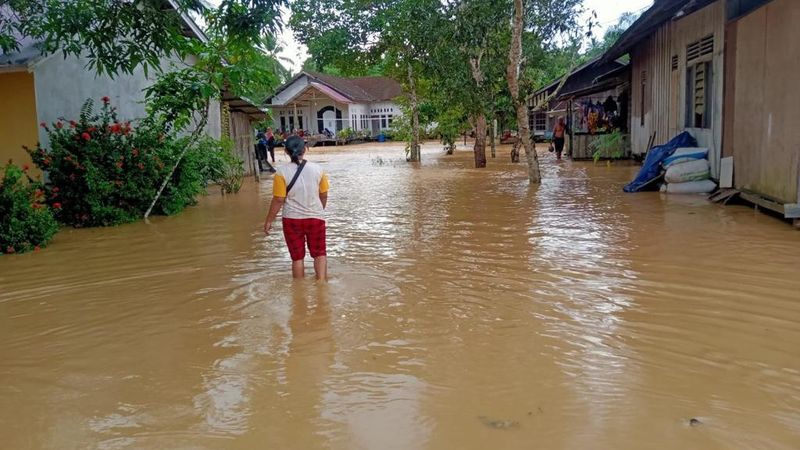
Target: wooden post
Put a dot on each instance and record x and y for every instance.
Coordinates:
(571, 126)
(494, 138)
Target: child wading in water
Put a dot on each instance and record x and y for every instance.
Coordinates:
(301, 189)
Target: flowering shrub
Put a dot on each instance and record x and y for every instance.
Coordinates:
(26, 222)
(104, 172)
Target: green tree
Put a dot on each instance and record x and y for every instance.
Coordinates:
(120, 36)
(364, 34)
(611, 35)
(544, 25)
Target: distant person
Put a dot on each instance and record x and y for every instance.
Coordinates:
(261, 154)
(271, 144)
(558, 136)
(301, 190)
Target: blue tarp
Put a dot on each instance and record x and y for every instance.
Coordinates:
(651, 168)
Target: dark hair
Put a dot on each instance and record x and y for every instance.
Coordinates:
(294, 147)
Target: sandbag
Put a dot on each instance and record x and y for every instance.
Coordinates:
(692, 170)
(651, 169)
(685, 154)
(692, 187)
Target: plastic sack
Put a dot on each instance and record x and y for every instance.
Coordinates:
(692, 187)
(651, 169)
(685, 154)
(692, 170)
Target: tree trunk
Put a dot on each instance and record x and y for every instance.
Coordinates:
(515, 152)
(415, 154)
(494, 138)
(520, 105)
(480, 141)
(480, 119)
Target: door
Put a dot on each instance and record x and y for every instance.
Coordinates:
(329, 120)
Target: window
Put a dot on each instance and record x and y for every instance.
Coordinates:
(675, 62)
(699, 82)
(540, 122)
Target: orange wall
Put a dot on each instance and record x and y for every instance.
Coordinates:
(18, 125)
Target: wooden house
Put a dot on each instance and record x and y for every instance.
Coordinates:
(677, 55)
(762, 107)
(721, 70)
(593, 100)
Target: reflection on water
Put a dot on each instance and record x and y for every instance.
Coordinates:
(466, 310)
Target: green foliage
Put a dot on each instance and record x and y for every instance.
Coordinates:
(450, 125)
(26, 222)
(611, 35)
(610, 146)
(346, 134)
(219, 164)
(104, 171)
(121, 36)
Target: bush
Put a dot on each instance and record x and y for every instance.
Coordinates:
(219, 164)
(345, 134)
(26, 222)
(104, 172)
(608, 146)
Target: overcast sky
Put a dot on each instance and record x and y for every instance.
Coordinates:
(608, 11)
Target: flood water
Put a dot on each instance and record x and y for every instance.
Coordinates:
(466, 310)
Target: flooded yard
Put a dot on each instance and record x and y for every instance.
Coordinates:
(466, 310)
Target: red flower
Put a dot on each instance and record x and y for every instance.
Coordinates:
(57, 205)
(141, 166)
(46, 161)
(119, 165)
(37, 248)
(92, 129)
(25, 168)
(73, 124)
(38, 193)
(86, 136)
(9, 249)
(135, 152)
(36, 205)
(56, 189)
(114, 128)
(43, 125)
(59, 125)
(106, 100)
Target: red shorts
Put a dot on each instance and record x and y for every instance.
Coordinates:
(299, 232)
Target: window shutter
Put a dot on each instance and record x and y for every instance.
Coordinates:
(699, 88)
(675, 62)
(700, 48)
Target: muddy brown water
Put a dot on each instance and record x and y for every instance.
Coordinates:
(466, 310)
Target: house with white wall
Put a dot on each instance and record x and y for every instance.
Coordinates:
(37, 87)
(316, 102)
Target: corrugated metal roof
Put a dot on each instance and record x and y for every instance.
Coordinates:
(661, 12)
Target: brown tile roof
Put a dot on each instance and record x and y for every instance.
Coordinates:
(362, 89)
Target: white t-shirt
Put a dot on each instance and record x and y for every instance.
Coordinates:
(303, 201)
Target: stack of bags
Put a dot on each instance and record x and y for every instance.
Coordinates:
(688, 172)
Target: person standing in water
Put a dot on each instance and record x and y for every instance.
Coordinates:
(271, 144)
(301, 190)
(558, 136)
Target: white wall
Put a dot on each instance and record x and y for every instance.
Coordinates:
(62, 85)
